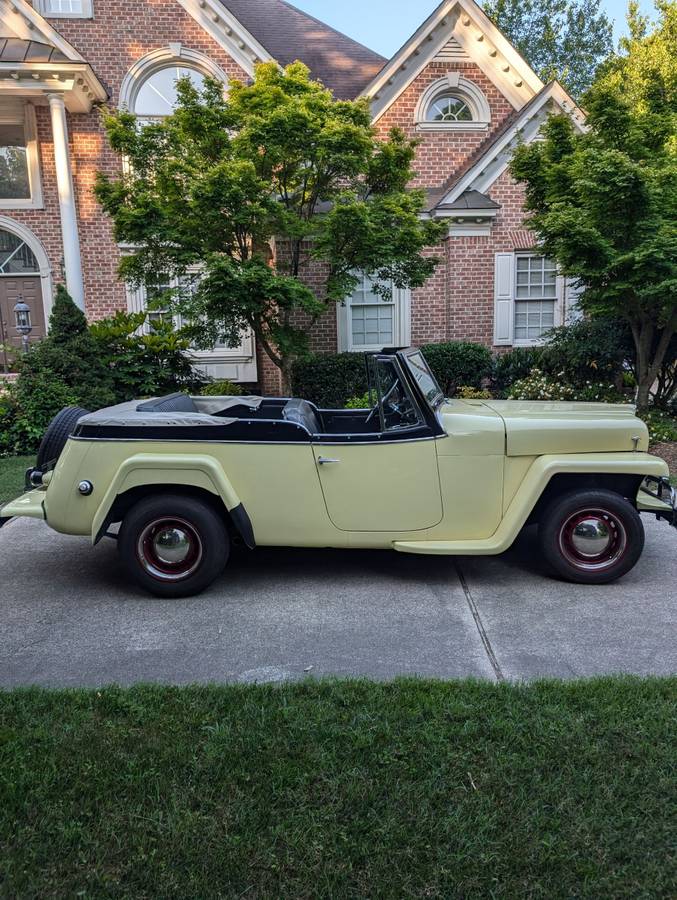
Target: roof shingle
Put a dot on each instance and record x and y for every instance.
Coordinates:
(340, 63)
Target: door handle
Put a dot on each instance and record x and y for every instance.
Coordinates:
(323, 461)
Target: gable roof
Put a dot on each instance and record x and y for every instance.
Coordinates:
(339, 62)
(456, 29)
(481, 169)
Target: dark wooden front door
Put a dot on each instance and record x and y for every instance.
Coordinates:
(30, 290)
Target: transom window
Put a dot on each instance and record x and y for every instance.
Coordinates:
(157, 96)
(535, 297)
(449, 108)
(16, 257)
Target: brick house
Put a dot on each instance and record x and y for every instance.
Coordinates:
(457, 84)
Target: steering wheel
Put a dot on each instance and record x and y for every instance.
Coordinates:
(385, 399)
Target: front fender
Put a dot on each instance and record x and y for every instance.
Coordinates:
(146, 469)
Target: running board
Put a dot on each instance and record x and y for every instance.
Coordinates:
(450, 548)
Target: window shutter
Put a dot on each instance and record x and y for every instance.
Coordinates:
(504, 304)
(573, 291)
(136, 299)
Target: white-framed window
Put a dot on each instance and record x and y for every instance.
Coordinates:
(453, 102)
(528, 298)
(66, 9)
(19, 157)
(157, 95)
(367, 321)
(235, 363)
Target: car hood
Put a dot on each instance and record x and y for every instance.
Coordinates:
(536, 427)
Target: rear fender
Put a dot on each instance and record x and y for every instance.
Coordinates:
(146, 469)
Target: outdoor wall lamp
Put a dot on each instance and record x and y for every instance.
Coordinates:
(22, 311)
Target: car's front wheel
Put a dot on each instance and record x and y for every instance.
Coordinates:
(591, 537)
(172, 545)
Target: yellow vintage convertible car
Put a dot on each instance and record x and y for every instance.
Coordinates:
(186, 476)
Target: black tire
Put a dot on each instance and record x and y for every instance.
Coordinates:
(58, 431)
(163, 518)
(591, 537)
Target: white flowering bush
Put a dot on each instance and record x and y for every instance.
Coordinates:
(662, 426)
(539, 386)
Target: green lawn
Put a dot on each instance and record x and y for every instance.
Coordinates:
(12, 471)
(340, 789)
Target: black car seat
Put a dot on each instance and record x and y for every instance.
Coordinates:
(302, 413)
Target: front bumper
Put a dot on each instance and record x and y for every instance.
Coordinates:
(656, 495)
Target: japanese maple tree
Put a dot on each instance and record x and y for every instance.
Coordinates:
(239, 198)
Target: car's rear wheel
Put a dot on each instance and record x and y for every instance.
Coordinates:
(173, 545)
(591, 537)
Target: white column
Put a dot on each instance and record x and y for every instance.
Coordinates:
(69, 218)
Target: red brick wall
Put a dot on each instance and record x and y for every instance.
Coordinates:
(457, 302)
(441, 152)
(121, 32)
(470, 264)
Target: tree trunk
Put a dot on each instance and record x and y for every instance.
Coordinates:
(648, 368)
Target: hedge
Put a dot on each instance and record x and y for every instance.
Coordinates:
(330, 379)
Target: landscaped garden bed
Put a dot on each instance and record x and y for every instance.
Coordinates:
(414, 788)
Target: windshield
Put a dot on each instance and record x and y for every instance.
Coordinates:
(425, 379)
(396, 405)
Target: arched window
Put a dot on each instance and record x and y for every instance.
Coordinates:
(149, 87)
(16, 257)
(449, 108)
(453, 102)
(157, 96)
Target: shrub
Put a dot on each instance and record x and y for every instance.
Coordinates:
(66, 368)
(590, 349)
(514, 366)
(68, 356)
(467, 392)
(458, 362)
(7, 418)
(221, 389)
(540, 386)
(143, 364)
(365, 401)
(330, 379)
(36, 403)
(662, 426)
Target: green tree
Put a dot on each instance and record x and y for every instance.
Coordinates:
(253, 188)
(604, 204)
(563, 39)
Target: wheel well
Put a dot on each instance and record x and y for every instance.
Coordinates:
(625, 485)
(124, 502)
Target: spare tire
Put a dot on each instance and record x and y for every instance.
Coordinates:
(58, 431)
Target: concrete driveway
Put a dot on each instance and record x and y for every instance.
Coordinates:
(69, 617)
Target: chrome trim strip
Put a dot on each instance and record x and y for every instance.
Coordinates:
(311, 443)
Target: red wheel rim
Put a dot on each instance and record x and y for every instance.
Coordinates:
(169, 549)
(593, 539)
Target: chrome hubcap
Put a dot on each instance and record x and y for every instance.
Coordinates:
(172, 545)
(169, 549)
(593, 539)
(591, 536)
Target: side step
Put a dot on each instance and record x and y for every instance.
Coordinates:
(450, 548)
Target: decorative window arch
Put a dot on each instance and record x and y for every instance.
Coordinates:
(453, 103)
(174, 56)
(36, 260)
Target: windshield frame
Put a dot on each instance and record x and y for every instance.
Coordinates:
(437, 398)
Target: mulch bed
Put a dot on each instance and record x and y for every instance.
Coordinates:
(668, 452)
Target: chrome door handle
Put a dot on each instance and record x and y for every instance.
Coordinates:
(323, 461)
